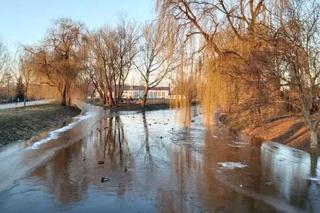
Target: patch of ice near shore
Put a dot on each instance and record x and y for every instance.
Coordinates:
(240, 143)
(235, 146)
(55, 134)
(232, 165)
(314, 179)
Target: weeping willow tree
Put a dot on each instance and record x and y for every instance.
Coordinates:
(257, 57)
(227, 62)
(184, 89)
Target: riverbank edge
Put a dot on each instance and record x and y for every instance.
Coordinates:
(288, 130)
(38, 134)
(133, 106)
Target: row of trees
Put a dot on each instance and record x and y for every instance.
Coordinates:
(16, 75)
(71, 57)
(253, 58)
(5, 75)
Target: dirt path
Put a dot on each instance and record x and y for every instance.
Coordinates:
(20, 104)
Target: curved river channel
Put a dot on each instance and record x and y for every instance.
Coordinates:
(148, 162)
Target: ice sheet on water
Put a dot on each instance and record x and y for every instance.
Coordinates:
(231, 165)
(55, 134)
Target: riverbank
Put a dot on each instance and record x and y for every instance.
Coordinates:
(25, 123)
(151, 105)
(138, 107)
(290, 130)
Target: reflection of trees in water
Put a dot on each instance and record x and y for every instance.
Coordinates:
(166, 201)
(290, 171)
(313, 189)
(196, 185)
(115, 143)
(112, 155)
(111, 142)
(148, 156)
(69, 173)
(183, 181)
(155, 150)
(313, 164)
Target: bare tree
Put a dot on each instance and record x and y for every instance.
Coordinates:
(5, 75)
(111, 58)
(62, 56)
(155, 60)
(127, 50)
(4, 58)
(7, 81)
(27, 73)
(99, 65)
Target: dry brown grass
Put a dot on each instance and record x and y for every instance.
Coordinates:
(291, 131)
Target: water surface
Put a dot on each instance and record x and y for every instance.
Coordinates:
(151, 163)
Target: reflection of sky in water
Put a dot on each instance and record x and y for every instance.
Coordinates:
(294, 173)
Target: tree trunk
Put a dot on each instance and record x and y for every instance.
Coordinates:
(115, 93)
(69, 101)
(111, 102)
(25, 97)
(313, 138)
(64, 96)
(313, 127)
(110, 96)
(145, 96)
(104, 99)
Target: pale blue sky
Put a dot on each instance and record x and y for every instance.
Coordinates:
(26, 21)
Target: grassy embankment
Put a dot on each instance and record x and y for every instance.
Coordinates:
(290, 130)
(25, 123)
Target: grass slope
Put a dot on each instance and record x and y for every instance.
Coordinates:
(24, 123)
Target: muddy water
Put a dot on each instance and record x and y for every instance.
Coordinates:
(147, 162)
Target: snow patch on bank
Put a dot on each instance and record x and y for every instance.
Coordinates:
(232, 165)
(55, 134)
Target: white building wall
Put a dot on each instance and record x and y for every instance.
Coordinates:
(153, 94)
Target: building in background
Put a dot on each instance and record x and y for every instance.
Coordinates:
(136, 92)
